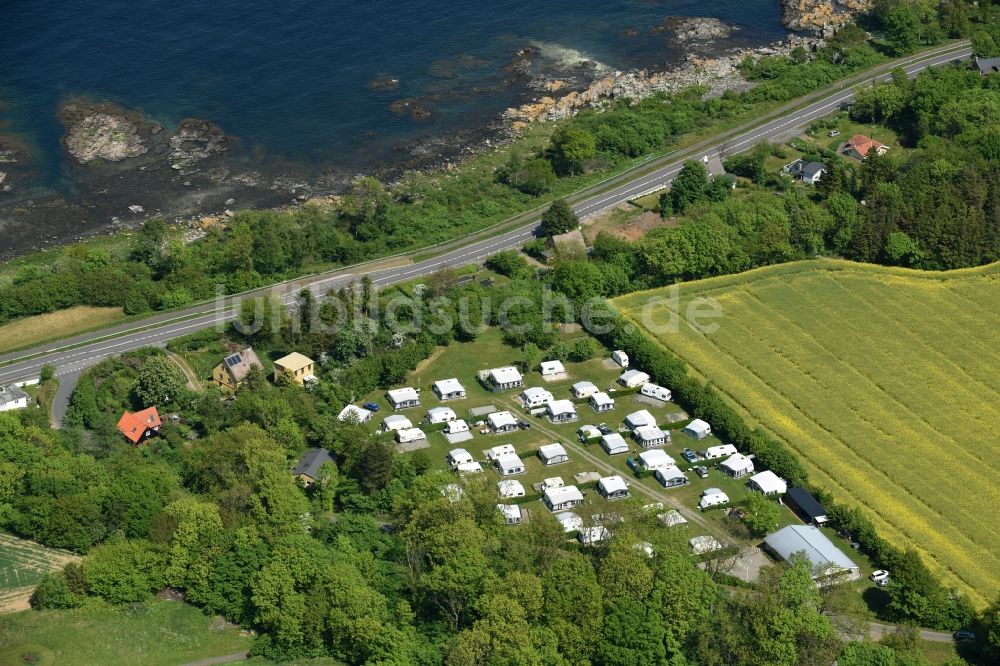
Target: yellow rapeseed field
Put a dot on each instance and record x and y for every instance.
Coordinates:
(886, 382)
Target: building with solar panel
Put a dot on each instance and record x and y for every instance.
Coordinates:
(234, 369)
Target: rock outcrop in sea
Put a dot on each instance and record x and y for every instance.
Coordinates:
(101, 134)
(820, 15)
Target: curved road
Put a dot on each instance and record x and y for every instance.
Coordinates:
(72, 355)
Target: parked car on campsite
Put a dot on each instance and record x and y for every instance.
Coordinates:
(524, 425)
(964, 635)
(880, 577)
(371, 406)
(689, 455)
(605, 430)
(701, 471)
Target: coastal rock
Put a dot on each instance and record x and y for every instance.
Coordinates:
(411, 106)
(136, 209)
(105, 136)
(819, 15)
(695, 28)
(383, 83)
(194, 140)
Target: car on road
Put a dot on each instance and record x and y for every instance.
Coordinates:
(964, 635)
(524, 425)
(371, 406)
(701, 471)
(689, 455)
(880, 577)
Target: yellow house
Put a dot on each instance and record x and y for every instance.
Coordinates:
(234, 368)
(295, 365)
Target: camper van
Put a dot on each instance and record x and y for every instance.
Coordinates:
(656, 391)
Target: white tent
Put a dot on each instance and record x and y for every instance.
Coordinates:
(509, 488)
(649, 436)
(410, 435)
(569, 521)
(670, 476)
(589, 536)
(639, 419)
(614, 444)
(561, 411)
(602, 402)
(449, 389)
(633, 378)
(552, 368)
(469, 468)
(553, 454)
(768, 483)
(612, 487)
(534, 397)
(565, 497)
(509, 464)
(712, 497)
(736, 466)
(654, 458)
(500, 450)
(457, 457)
(501, 421)
(511, 513)
(403, 398)
(395, 422)
(583, 390)
(698, 429)
(456, 426)
(441, 415)
(587, 432)
(505, 378)
(353, 411)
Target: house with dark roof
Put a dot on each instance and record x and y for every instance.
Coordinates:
(986, 65)
(234, 369)
(807, 172)
(139, 426)
(308, 469)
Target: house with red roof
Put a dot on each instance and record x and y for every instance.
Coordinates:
(860, 145)
(138, 426)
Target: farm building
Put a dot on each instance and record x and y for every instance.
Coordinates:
(448, 389)
(805, 506)
(403, 398)
(620, 357)
(410, 435)
(561, 498)
(736, 466)
(11, 398)
(589, 536)
(602, 402)
(511, 513)
(561, 411)
(768, 483)
(587, 433)
(395, 422)
(509, 488)
(672, 518)
(720, 451)
(612, 487)
(829, 563)
(458, 457)
(441, 415)
(639, 419)
(456, 426)
(552, 454)
(670, 477)
(308, 468)
(650, 436)
(296, 366)
(138, 426)
(698, 429)
(353, 412)
(229, 374)
(570, 521)
(468, 468)
(633, 378)
(582, 390)
(501, 422)
(535, 397)
(502, 379)
(509, 464)
(501, 450)
(650, 460)
(614, 444)
(550, 368)
(712, 497)
(704, 544)
(656, 391)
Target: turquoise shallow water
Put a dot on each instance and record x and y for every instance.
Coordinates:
(290, 78)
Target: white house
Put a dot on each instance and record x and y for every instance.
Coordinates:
(403, 398)
(639, 419)
(552, 454)
(633, 378)
(440, 415)
(501, 421)
(612, 487)
(560, 499)
(614, 444)
(582, 390)
(535, 397)
(569, 521)
(509, 464)
(395, 422)
(650, 436)
(656, 391)
(736, 466)
(510, 488)
(354, 412)
(410, 435)
(768, 483)
(670, 476)
(502, 379)
(448, 389)
(457, 457)
(511, 513)
(602, 402)
(11, 398)
(550, 368)
(587, 433)
(456, 426)
(620, 357)
(720, 451)
(698, 429)
(588, 536)
(655, 458)
(501, 450)
(469, 468)
(561, 411)
(712, 497)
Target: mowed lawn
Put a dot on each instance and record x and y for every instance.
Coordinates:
(60, 324)
(884, 381)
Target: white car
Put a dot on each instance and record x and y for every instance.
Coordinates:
(881, 577)
(834, 133)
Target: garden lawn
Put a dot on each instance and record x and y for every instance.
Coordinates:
(882, 380)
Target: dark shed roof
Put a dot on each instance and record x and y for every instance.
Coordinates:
(807, 504)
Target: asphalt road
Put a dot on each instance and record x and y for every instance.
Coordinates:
(72, 355)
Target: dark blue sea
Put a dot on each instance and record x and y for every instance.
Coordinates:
(292, 78)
